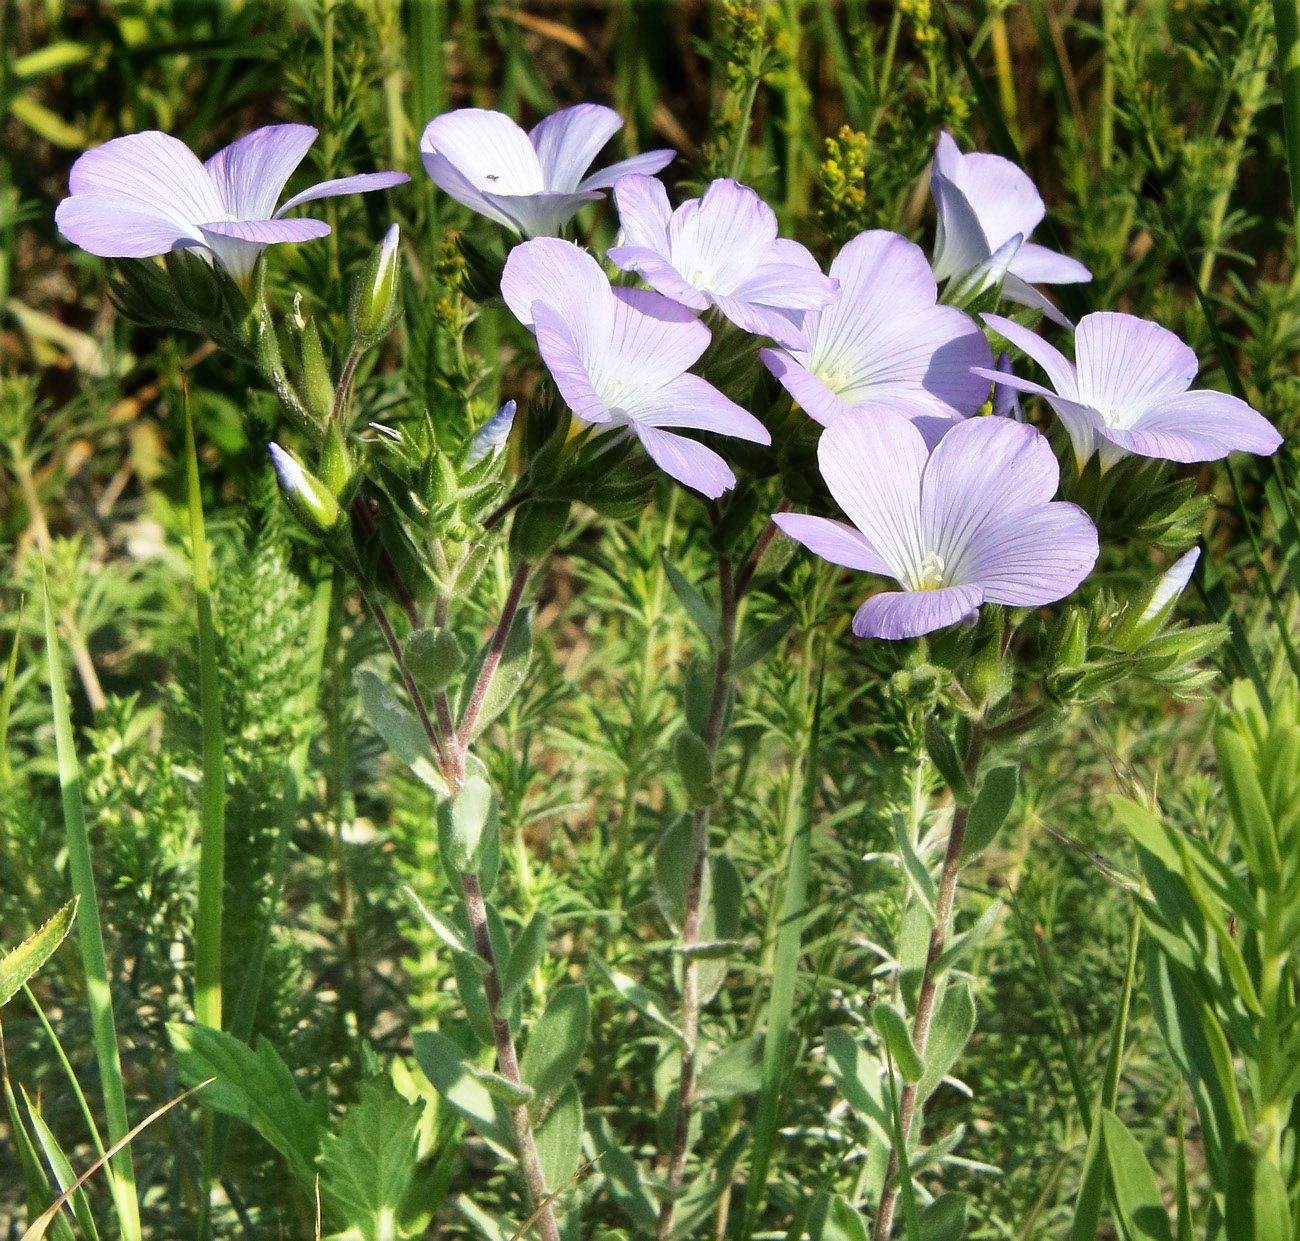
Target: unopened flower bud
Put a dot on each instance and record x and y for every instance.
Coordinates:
(307, 497)
(491, 437)
(317, 387)
(375, 304)
(1136, 626)
(336, 469)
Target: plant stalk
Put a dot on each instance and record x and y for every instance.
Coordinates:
(907, 1103)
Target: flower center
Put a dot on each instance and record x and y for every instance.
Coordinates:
(930, 574)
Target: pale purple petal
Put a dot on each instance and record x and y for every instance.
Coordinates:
(1059, 371)
(361, 183)
(1197, 426)
(1039, 265)
(566, 278)
(1033, 556)
(689, 401)
(947, 155)
(643, 213)
(566, 364)
(795, 255)
(121, 228)
(885, 338)
(783, 326)
(652, 341)
(647, 163)
(448, 178)
(568, 140)
(872, 461)
(692, 464)
(835, 541)
(1129, 364)
(473, 151)
(542, 214)
(657, 272)
(1172, 584)
(1002, 196)
(787, 286)
(159, 174)
(809, 393)
(982, 467)
(237, 243)
(250, 173)
(959, 242)
(719, 240)
(894, 615)
(1014, 289)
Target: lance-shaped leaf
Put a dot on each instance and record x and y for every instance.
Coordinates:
(18, 966)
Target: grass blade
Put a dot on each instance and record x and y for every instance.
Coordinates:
(89, 932)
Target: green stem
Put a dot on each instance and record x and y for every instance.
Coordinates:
(90, 935)
(1286, 18)
(780, 1008)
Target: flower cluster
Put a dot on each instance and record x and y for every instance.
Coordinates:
(959, 509)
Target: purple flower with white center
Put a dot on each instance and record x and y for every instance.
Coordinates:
(886, 341)
(533, 183)
(1127, 393)
(971, 522)
(619, 359)
(984, 201)
(147, 194)
(720, 250)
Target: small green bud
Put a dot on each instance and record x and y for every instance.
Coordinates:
(317, 389)
(336, 468)
(537, 528)
(308, 498)
(375, 305)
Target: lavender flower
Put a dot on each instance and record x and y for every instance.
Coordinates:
(1127, 393)
(147, 194)
(885, 341)
(971, 522)
(619, 359)
(532, 183)
(720, 250)
(984, 202)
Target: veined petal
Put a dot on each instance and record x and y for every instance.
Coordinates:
(643, 213)
(1039, 265)
(1197, 426)
(361, 183)
(237, 243)
(487, 149)
(652, 341)
(787, 286)
(566, 278)
(1127, 365)
(1033, 556)
(692, 464)
(689, 401)
(444, 174)
(810, 394)
(1020, 291)
(542, 214)
(783, 326)
(648, 162)
(718, 241)
(796, 255)
(568, 140)
(658, 273)
(894, 615)
(564, 360)
(981, 468)
(1002, 196)
(835, 541)
(121, 228)
(872, 461)
(959, 242)
(250, 173)
(1057, 367)
(154, 170)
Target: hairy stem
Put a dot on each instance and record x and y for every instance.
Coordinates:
(491, 661)
(907, 1104)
